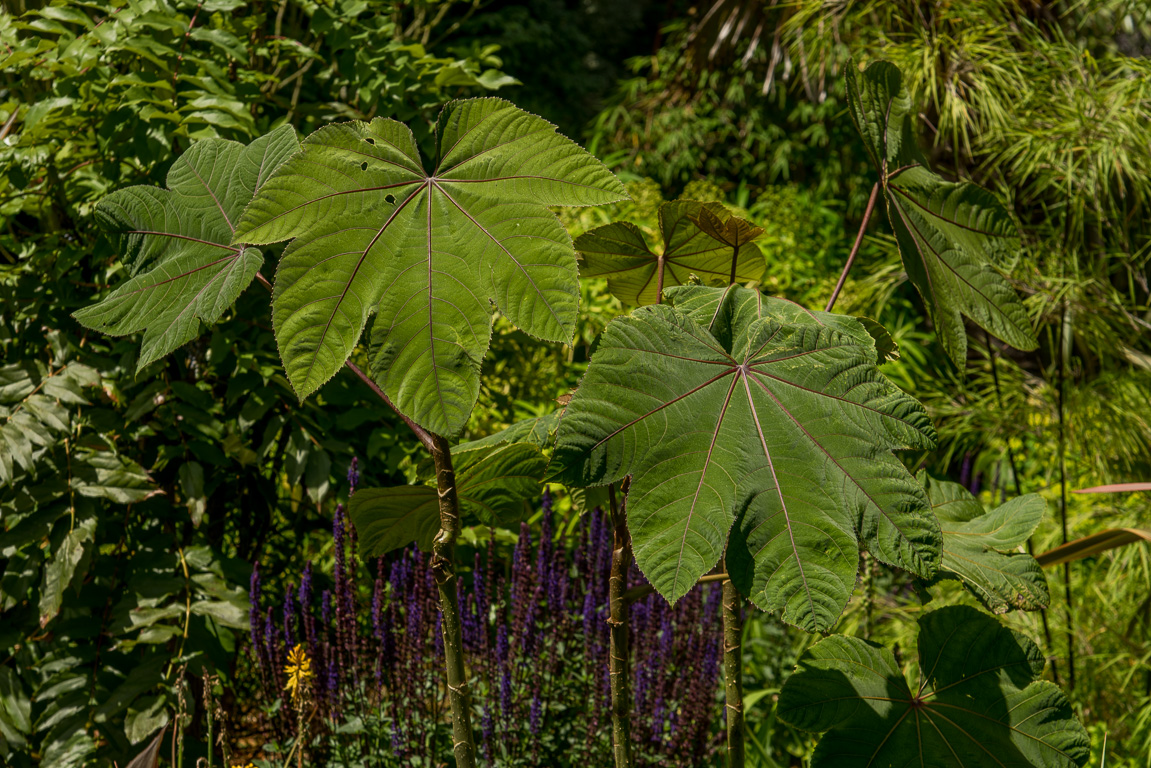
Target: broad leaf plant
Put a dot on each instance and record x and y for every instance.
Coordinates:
(733, 435)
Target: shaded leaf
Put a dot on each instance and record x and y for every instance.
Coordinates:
(952, 236)
(61, 566)
(427, 252)
(192, 486)
(619, 251)
(150, 757)
(978, 546)
(753, 416)
(177, 243)
(102, 474)
(978, 703)
(493, 482)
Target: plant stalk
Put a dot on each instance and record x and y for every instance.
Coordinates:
(991, 355)
(659, 279)
(1064, 353)
(733, 674)
(618, 621)
(444, 569)
(854, 248)
(643, 590)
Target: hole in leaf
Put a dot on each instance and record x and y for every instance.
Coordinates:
(370, 141)
(391, 199)
(364, 166)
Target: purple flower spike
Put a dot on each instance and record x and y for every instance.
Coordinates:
(254, 599)
(536, 716)
(353, 476)
(289, 616)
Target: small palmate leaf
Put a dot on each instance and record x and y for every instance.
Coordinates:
(537, 431)
(980, 547)
(428, 252)
(492, 481)
(977, 704)
(731, 408)
(700, 239)
(952, 236)
(177, 243)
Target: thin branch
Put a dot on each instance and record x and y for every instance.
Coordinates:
(855, 247)
(1064, 346)
(422, 434)
(991, 355)
(643, 590)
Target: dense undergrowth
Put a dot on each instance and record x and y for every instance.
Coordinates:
(135, 503)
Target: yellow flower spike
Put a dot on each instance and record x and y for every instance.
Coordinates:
(299, 671)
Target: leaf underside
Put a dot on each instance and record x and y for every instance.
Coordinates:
(493, 482)
(176, 242)
(429, 253)
(980, 548)
(979, 703)
(736, 413)
(953, 237)
(619, 251)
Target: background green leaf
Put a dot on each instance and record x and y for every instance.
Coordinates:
(981, 548)
(619, 251)
(953, 236)
(176, 243)
(493, 483)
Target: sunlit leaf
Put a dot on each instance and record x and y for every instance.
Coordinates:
(737, 413)
(177, 243)
(428, 252)
(953, 237)
(619, 251)
(978, 702)
(980, 548)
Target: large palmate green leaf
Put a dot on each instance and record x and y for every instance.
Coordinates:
(953, 237)
(977, 703)
(178, 243)
(980, 548)
(698, 238)
(728, 407)
(428, 252)
(492, 481)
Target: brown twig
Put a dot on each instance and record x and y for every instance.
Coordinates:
(855, 247)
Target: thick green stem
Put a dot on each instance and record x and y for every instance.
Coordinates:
(618, 620)
(444, 569)
(733, 674)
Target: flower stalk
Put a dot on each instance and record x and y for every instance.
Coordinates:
(444, 568)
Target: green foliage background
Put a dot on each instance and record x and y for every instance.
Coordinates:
(131, 505)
